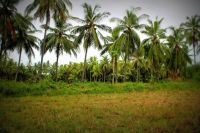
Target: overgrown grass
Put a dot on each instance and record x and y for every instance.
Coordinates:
(162, 111)
(163, 107)
(11, 88)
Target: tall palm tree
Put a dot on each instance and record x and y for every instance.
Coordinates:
(24, 39)
(89, 31)
(7, 17)
(113, 47)
(44, 9)
(59, 40)
(129, 39)
(155, 49)
(192, 28)
(178, 52)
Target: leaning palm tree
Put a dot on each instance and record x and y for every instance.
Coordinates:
(192, 28)
(8, 12)
(43, 10)
(89, 31)
(24, 40)
(59, 40)
(178, 52)
(129, 39)
(155, 49)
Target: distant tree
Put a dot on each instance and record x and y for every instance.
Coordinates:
(89, 31)
(104, 66)
(43, 10)
(138, 62)
(129, 39)
(155, 49)
(96, 72)
(7, 68)
(59, 40)
(192, 31)
(24, 39)
(178, 52)
(113, 47)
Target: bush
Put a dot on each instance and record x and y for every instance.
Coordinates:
(193, 72)
(12, 88)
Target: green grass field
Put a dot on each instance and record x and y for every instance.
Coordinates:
(101, 107)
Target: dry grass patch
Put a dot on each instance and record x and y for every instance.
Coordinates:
(148, 111)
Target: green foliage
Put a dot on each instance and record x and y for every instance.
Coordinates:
(192, 32)
(89, 31)
(11, 88)
(156, 51)
(157, 58)
(178, 58)
(193, 72)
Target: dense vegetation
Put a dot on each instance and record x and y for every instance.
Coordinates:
(155, 81)
(163, 54)
(46, 88)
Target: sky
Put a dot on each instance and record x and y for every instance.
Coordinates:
(174, 12)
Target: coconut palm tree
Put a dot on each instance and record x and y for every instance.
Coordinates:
(129, 39)
(104, 66)
(95, 68)
(8, 12)
(24, 40)
(178, 52)
(155, 49)
(89, 30)
(44, 9)
(59, 40)
(138, 61)
(113, 47)
(192, 30)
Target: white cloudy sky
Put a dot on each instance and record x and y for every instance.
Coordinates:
(174, 12)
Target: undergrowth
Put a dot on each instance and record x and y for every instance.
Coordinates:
(11, 88)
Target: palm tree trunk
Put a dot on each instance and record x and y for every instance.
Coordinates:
(137, 73)
(194, 51)
(1, 51)
(104, 77)
(43, 45)
(20, 54)
(42, 55)
(116, 71)
(84, 67)
(152, 68)
(176, 64)
(113, 65)
(90, 77)
(124, 72)
(151, 74)
(57, 57)
(3, 43)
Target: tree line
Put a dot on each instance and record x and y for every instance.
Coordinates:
(125, 56)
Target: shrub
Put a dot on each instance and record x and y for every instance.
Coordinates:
(193, 72)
